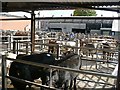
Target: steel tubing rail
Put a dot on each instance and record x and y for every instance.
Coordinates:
(4, 81)
(61, 68)
(75, 47)
(33, 83)
(106, 61)
(56, 45)
(46, 18)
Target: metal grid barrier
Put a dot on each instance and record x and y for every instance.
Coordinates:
(4, 75)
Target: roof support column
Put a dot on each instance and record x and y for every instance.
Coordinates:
(32, 32)
(118, 74)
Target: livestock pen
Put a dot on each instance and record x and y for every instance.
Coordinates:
(16, 6)
(101, 80)
(95, 62)
(88, 64)
(92, 63)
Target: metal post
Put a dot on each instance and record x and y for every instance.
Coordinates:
(57, 51)
(50, 77)
(118, 75)
(10, 42)
(77, 42)
(14, 47)
(4, 81)
(38, 21)
(32, 32)
(17, 47)
(27, 48)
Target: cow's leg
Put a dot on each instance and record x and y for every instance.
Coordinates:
(92, 55)
(75, 88)
(52, 49)
(27, 74)
(66, 85)
(71, 84)
(49, 50)
(103, 56)
(112, 54)
(43, 82)
(44, 79)
(108, 55)
(89, 53)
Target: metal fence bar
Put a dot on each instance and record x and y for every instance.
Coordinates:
(50, 77)
(98, 60)
(14, 47)
(27, 48)
(46, 18)
(46, 44)
(62, 68)
(58, 51)
(4, 81)
(118, 73)
(29, 82)
(51, 67)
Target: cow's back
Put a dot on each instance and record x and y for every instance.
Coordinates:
(44, 58)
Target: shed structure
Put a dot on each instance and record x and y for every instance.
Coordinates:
(33, 5)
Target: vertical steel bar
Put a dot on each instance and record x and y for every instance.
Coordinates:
(32, 32)
(4, 81)
(17, 47)
(57, 51)
(118, 75)
(50, 77)
(96, 58)
(14, 47)
(77, 42)
(26, 47)
(10, 42)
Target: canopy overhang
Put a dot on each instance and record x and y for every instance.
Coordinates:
(33, 5)
(58, 5)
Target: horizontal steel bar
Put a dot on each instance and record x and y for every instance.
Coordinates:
(98, 60)
(45, 18)
(33, 83)
(47, 44)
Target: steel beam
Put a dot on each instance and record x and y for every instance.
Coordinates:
(81, 17)
(32, 32)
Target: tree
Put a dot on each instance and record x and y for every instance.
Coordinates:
(84, 12)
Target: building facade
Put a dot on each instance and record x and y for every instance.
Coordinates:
(77, 25)
(14, 24)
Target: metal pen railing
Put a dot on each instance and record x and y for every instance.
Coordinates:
(51, 67)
